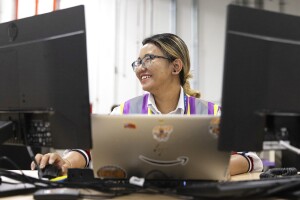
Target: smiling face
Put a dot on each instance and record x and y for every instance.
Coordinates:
(158, 77)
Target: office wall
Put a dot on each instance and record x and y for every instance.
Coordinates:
(7, 10)
(212, 22)
(112, 80)
(115, 31)
(116, 28)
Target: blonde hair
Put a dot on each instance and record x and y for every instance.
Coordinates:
(175, 48)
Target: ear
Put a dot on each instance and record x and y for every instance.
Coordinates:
(177, 66)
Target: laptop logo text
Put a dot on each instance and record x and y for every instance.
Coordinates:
(182, 160)
(162, 133)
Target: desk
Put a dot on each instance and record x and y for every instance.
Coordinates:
(246, 176)
(130, 197)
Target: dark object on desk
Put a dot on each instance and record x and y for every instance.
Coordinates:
(289, 158)
(261, 59)
(278, 172)
(57, 194)
(8, 189)
(80, 175)
(50, 171)
(15, 153)
(48, 105)
(286, 187)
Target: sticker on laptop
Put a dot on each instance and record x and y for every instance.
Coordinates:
(214, 127)
(162, 133)
(129, 126)
(111, 171)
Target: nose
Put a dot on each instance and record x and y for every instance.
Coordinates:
(140, 68)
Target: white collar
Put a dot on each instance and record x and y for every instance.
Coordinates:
(179, 109)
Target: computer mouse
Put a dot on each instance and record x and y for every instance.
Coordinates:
(50, 171)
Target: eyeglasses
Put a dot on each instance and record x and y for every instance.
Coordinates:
(146, 61)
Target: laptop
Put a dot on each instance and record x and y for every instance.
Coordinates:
(158, 147)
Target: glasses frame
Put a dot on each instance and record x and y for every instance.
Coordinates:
(146, 61)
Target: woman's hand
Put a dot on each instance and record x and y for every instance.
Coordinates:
(53, 159)
(238, 164)
(72, 159)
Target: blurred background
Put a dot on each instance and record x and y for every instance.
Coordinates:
(116, 28)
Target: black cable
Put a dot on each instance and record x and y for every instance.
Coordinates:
(15, 165)
(39, 183)
(111, 188)
(116, 188)
(32, 157)
(277, 172)
(28, 147)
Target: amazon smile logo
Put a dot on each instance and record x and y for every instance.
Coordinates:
(182, 160)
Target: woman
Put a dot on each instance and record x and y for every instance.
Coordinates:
(163, 69)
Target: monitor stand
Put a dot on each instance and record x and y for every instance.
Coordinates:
(281, 126)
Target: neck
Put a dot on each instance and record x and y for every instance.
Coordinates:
(167, 102)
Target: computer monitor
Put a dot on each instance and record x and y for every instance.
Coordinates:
(260, 97)
(44, 93)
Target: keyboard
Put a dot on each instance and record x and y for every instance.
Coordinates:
(272, 187)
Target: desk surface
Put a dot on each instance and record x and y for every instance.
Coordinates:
(246, 176)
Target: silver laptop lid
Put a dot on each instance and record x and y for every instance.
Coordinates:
(158, 147)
